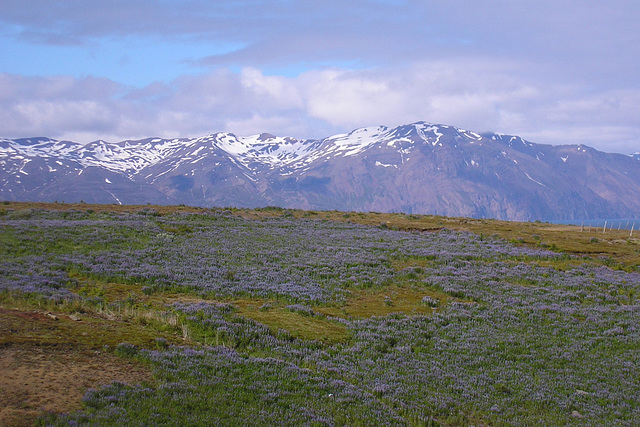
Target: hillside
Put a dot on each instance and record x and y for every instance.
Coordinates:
(418, 168)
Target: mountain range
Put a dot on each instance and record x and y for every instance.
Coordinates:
(416, 168)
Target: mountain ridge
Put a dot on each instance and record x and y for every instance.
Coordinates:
(415, 168)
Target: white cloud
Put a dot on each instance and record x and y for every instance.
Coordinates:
(476, 95)
(276, 91)
(350, 98)
(553, 72)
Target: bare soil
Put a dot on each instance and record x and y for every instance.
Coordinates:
(37, 375)
(37, 379)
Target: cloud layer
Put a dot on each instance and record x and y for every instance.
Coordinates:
(552, 72)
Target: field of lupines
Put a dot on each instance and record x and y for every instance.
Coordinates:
(462, 330)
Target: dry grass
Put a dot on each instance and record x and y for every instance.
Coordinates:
(403, 299)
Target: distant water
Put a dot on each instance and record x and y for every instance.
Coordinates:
(615, 224)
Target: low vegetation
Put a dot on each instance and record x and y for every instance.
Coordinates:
(284, 317)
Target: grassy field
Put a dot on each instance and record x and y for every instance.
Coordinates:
(613, 246)
(287, 317)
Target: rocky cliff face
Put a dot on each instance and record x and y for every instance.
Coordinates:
(417, 168)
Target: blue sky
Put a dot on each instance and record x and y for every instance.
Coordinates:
(555, 72)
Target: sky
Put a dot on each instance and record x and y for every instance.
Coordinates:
(550, 71)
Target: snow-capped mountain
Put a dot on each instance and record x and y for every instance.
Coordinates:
(416, 168)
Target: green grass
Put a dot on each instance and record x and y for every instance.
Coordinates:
(615, 247)
(81, 326)
(117, 309)
(126, 300)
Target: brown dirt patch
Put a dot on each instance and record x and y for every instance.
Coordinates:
(50, 378)
(48, 364)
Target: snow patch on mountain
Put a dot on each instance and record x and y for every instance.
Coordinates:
(252, 153)
(384, 165)
(357, 141)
